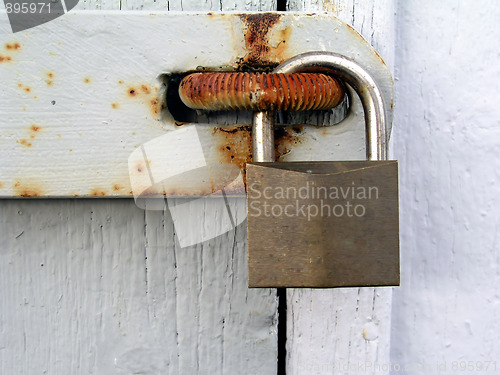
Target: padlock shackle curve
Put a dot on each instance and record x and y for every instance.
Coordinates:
(364, 85)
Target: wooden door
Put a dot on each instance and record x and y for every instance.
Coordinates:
(100, 286)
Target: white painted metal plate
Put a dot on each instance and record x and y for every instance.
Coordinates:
(81, 93)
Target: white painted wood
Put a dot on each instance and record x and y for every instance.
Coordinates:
(180, 5)
(61, 110)
(447, 140)
(180, 311)
(344, 331)
(102, 287)
(91, 287)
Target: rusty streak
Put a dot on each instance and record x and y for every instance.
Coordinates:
(257, 28)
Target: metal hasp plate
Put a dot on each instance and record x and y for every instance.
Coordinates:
(76, 105)
(323, 224)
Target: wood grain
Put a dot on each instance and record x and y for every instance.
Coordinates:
(97, 305)
(329, 328)
(100, 286)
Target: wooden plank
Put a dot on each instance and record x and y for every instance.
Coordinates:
(332, 331)
(116, 294)
(447, 140)
(243, 331)
(179, 5)
(59, 111)
(87, 285)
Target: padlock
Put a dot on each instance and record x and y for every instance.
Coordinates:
(324, 224)
(312, 224)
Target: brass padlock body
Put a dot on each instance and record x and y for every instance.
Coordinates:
(323, 224)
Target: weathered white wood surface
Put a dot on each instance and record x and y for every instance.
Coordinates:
(95, 287)
(179, 311)
(102, 287)
(69, 104)
(344, 331)
(447, 138)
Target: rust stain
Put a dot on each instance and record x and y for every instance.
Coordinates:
(117, 187)
(24, 142)
(5, 58)
(260, 91)
(284, 36)
(70, 150)
(49, 82)
(156, 107)
(86, 80)
(120, 82)
(114, 105)
(257, 29)
(24, 88)
(1, 185)
(285, 139)
(27, 190)
(330, 6)
(13, 46)
(50, 75)
(35, 128)
(147, 94)
(98, 193)
(234, 145)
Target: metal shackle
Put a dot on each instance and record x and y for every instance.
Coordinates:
(351, 73)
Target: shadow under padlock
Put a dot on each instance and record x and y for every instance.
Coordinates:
(198, 194)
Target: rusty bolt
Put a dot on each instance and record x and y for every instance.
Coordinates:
(261, 91)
